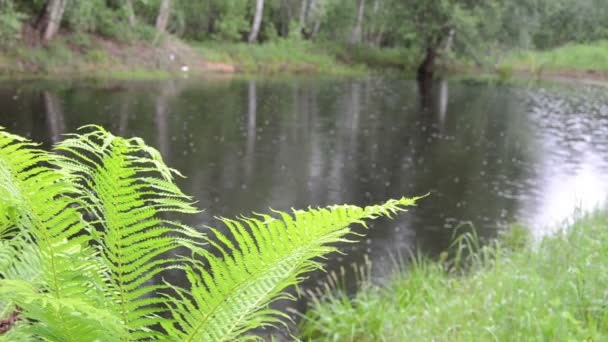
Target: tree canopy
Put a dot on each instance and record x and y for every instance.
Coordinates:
(472, 27)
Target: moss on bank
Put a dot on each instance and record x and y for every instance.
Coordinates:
(554, 290)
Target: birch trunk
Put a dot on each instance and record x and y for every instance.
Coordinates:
(303, 10)
(163, 15)
(358, 29)
(49, 21)
(313, 15)
(312, 10)
(130, 12)
(374, 35)
(257, 21)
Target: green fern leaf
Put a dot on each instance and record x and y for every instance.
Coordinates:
(45, 232)
(126, 185)
(93, 279)
(230, 295)
(64, 319)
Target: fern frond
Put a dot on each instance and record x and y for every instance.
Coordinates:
(78, 279)
(43, 228)
(19, 260)
(125, 184)
(64, 319)
(19, 332)
(230, 295)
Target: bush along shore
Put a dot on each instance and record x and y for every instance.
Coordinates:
(513, 289)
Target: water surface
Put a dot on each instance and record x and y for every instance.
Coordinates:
(490, 155)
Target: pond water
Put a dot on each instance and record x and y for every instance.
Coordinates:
(490, 155)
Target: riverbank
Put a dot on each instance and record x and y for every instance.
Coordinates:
(512, 290)
(86, 55)
(587, 63)
(305, 57)
(572, 59)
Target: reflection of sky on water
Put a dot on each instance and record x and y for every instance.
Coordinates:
(564, 192)
(571, 135)
(489, 154)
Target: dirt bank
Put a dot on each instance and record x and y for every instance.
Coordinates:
(88, 55)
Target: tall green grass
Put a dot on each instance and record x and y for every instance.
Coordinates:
(281, 56)
(571, 57)
(513, 290)
(302, 56)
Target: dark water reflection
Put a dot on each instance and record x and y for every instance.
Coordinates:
(490, 155)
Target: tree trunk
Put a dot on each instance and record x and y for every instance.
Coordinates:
(316, 28)
(303, 10)
(314, 12)
(436, 47)
(163, 15)
(357, 33)
(49, 21)
(130, 12)
(427, 67)
(374, 35)
(257, 21)
(449, 41)
(286, 15)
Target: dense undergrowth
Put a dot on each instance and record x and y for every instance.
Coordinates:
(552, 290)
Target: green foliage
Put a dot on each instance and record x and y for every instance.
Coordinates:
(232, 23)
(571, 57)
(375, 57)
(86, 16)
(283, 55)
(86, 235)
(482, 32)
(505, 72)
(55, 56)
(10, 24)
(552, 290)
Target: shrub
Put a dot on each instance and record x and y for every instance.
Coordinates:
(10, 24)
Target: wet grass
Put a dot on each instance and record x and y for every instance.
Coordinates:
(299, 56)
(84, 55)
(513, 290)
(281, 56)
(63, 58)
(570, 57)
